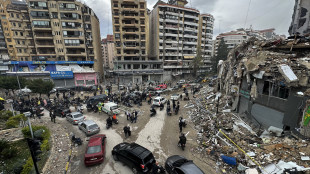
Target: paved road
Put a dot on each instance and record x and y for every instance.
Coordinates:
(159, 134)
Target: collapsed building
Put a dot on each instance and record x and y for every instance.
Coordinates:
(269, 82)
(256, 119)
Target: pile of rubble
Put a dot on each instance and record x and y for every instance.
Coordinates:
(223, 134)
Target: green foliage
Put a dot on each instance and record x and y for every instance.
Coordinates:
(28, 167)
(45, 135)
(40, 86)
(11, 82)
(18, 166)
(45, 146)
(5, 115)
(197, 62)
(8, 153)
(13, 122)
(3, 145)
(222, 53)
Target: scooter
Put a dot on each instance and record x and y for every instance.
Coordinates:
(153, 113)
(169, 112)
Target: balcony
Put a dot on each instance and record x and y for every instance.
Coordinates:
(172, 67)
(131, 17)
(190, 36)
(131, 47)
(191, 17)
(17, 28)
(191, 23)
(75, 53)
(43, 36)
(75, 45)
(172, 20)
(42, 27)
(130, 25)
(131, 54)
(189, 43)
(171, 34)
(67, 9)
(172, 13)
(40, 17)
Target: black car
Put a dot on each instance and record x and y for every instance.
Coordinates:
(177, 164)
(138, 158)
(61, 112)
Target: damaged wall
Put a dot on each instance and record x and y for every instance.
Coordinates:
(301, 18)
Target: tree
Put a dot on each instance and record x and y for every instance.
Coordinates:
(11, 82)
(40, 86)
(197, 62)
(222, 53)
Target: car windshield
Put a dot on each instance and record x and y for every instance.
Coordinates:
(148, 158)
(156, 100)
(93, 149)
(77, 116)
(113, 107)
(93, 126)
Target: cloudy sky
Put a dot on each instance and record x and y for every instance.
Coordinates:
(229, 14)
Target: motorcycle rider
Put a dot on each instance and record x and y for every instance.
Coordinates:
(153, 111)
(182, 139)
(109, 122)
(168, 109)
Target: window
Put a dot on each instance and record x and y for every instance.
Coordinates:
(80, 82)
(25, 50)
(17, 15)
(9, 40)
(21, 34)
(12, 15)
(43, 24)
(72, 42)
(18, 42)
(19, 25)
(23, 42)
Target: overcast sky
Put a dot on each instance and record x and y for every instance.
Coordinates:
(229, 14)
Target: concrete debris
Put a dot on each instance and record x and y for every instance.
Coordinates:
(209, 114)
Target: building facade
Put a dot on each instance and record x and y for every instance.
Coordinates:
(108, 55)
(301, 18)
(131, 37)
(177, 34)
(52, 31)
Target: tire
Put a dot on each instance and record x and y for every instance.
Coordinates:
(115, 157)
(135, 171)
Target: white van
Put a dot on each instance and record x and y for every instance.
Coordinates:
(107, 107)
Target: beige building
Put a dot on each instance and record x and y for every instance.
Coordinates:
(108, 52)
(176, 33)
(17, 30)
(130, 28)
(52, 30)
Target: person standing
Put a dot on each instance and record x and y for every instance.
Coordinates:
(127, 114)
(181, 124)
(54, 117)
(57, 95)
(126, 131)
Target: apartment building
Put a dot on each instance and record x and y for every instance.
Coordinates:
(3, 48)
(176, 33)
(131, 32)
(51, 30)
(205, 41)
(17, 29)
(108, 52)
(234, 38)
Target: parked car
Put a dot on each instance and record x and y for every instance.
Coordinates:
(181, 82)
(161, 87)
(95, 151)
(110, 106)
(175, 97)
(61, 112)
(96, 99)
(137, 157)
(89, 127)
(177, 164)
(121, 87)
(75, 117)
(158, 100)
(24, 90)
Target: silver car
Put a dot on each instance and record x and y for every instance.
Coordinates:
(89, 127)
(75, 117)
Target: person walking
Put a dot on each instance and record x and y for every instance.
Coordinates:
(53, 117)
(136, 116)
(126, 131)
(132, 117)
(57, 95)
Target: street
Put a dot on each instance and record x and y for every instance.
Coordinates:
(159, 134)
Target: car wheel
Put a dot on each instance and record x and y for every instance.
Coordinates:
(115, 157)
(134, 170)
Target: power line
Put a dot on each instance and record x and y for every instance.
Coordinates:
(246, 18)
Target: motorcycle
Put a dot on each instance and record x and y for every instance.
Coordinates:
(182, 146)
(80, 109)
(153, 113)
(76, 140)
(115, 121)
(108, 126)
(169, 112)
(161, 107)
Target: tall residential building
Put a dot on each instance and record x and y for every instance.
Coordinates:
(130, 30)
(108, 52)
(301, 18)
(52, 30)
(177, 32)
(17, 30)
(3, 48)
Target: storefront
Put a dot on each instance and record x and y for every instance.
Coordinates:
(85, 79)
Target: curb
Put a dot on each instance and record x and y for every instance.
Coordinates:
(69, 158)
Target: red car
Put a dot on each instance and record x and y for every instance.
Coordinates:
(159, 87)
(95, 151)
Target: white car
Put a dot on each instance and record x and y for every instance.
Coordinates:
(181, 82)
(25, 90)
(158, 100)
(175, 97)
